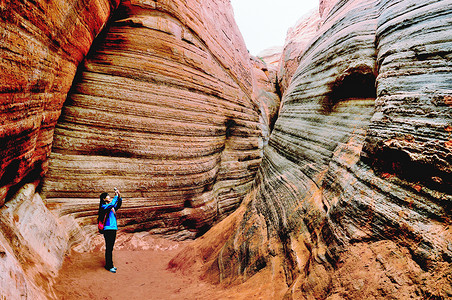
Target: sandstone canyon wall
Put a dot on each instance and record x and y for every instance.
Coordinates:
(297, 39)
(266, 90)
(163, 107)
(353, 197)
(42, 44)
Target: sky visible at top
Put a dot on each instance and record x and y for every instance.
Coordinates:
(264, 23)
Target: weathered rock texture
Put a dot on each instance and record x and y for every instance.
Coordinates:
(32, 246)
(42, 44)
(162, 108)
(266, 90)
(297, 39)
(353, 198)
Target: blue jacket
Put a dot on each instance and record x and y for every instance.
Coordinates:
(112, 207)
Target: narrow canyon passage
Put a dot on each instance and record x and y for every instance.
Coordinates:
(322, 171)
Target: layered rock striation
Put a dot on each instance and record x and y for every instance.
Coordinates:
(266, 91)
(298, 38)
(42, 45)
(350, 199)
(165, 111)
(353, 195)
(163, 107)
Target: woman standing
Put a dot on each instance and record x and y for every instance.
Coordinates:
(108, 208)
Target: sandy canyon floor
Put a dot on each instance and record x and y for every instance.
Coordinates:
(143, 273)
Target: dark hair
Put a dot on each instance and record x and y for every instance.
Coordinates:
(103, 196)
(100, 213)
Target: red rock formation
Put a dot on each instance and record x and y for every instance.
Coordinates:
(358, 165)
(164, 110)
(42, 44)
(185, 121)
(298, 38)
(352, 198)
(266, 91)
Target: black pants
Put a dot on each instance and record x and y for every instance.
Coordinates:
(110, 238)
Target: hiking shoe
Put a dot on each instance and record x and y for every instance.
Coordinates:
(113, 270)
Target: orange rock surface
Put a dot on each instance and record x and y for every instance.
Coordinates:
(162, 106)
(341, 190)
(42, 45)
(163, 110)
(297, 40)
(352, 198)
